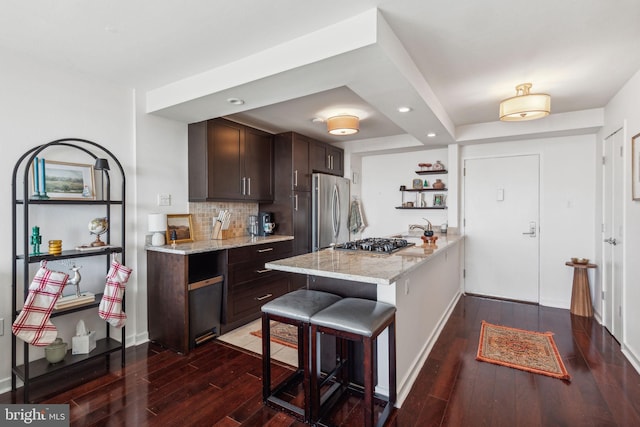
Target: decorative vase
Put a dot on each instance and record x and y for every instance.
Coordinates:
(438, 185)
(56, 351)
(438, 166)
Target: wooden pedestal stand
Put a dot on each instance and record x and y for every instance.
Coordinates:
(581, 294)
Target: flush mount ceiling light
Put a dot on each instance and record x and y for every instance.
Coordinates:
(404, 109)
(343, 125)
(525, 105)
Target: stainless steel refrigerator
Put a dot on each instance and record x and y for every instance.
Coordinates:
(329, 210)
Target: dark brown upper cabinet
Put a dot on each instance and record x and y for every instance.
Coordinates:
(326, 158)
(229, 161)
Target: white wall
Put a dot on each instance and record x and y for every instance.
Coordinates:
(161, 159)
(40, 104)
(567, 205)
(382, 176)
(624, 111)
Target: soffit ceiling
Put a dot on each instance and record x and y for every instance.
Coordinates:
(464, 57)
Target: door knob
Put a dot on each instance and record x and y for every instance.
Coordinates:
(532, 230)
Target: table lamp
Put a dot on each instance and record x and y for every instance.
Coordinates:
(157, 226)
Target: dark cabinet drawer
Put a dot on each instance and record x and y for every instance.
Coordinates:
(261, 253)
(246, 300)
(247, 271)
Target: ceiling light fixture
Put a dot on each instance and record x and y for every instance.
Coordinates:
(525, 105)
(343, 125)
(404, 109)
(431, 134)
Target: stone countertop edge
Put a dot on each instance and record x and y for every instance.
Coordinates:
(201, 246)
(366, 267)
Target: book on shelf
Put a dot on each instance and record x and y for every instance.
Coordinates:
(70, 301)
(92, 248)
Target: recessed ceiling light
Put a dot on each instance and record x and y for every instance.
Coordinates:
(431, 134)
(317, 120)
(404, 109)
(235, 101)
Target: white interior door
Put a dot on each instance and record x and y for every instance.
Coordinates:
(612, 232)
(501, 217)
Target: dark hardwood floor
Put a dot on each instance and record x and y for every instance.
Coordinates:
(219, 385)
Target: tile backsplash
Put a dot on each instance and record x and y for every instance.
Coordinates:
(203, 214)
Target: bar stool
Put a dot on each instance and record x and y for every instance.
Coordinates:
(294, 308)
(359, 320)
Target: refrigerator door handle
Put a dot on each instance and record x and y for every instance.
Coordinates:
(335, 211)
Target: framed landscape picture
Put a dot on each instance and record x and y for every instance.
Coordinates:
(65, 181)
(182, 225)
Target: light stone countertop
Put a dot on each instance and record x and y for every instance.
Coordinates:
(362, 266)
(201, 246)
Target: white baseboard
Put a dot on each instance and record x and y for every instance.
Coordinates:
(632, 357)
(5, 385)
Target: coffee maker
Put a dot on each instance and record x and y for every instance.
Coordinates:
(265, 224)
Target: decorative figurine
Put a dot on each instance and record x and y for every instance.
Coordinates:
(75, 280)
(98, 226)
(36, 240)
(174, 237)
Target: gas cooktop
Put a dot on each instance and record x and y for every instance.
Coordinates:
(374, 244)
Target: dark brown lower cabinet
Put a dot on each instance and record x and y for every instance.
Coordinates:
(181, 290)
(250, 284)
(194, 298)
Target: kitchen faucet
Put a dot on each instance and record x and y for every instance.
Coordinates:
(428, 227)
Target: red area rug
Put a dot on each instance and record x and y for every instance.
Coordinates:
(516, 348)
(281, 333)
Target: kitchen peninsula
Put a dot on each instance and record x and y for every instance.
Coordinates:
(422, 281)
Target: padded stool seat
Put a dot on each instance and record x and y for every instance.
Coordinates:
(294, 308)
(300, 305)
(360, 320)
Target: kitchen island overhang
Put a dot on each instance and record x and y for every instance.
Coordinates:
(424, 282)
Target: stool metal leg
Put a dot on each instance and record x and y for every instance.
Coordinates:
(369, 367)
(392, 362)
(266, 357)
(314, 392)
(303, 363)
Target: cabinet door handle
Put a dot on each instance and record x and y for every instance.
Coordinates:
(331, 157)
(263, 297)
(328, 161)
(295, 202)
(266, 270)
(244, 185)
(248, 186)
(295, 178)
(265, 250)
